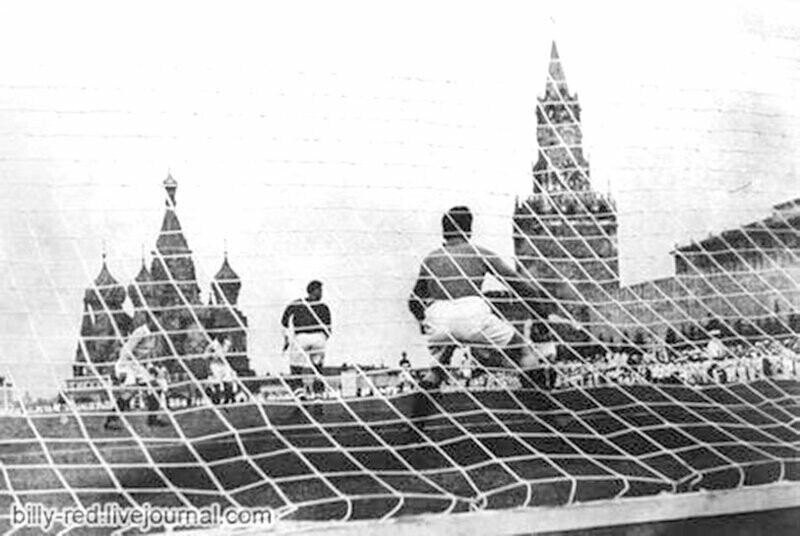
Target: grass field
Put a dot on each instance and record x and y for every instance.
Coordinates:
(380, 458)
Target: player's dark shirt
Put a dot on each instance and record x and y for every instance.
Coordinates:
(307, 317)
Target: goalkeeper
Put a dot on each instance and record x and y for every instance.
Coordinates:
(449, 305)
(130, 372)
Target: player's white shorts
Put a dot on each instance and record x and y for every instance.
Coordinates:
(129, 373)
(467, 320)
(307, 347)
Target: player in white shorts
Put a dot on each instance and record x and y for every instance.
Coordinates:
(222, 377)
(468, 319)
(448, 303)
(130, 370)
(308, 327)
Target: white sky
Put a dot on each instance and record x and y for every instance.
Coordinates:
(323, 140)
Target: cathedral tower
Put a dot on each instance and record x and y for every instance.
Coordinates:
(226, 320)
(172, 265)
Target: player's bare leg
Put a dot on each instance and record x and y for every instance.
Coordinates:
(430, 382)
(533, 358)
(317, 385)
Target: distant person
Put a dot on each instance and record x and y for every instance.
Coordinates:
(221, 377)
(404, 362)
(307, 323)
(160, 378)
(406, 377)
(449, 305)
(715, 349)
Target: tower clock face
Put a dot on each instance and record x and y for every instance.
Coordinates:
(570, 134)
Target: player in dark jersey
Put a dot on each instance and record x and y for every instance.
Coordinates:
(448, 301)
(307, 323)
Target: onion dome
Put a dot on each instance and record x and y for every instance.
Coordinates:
(225, 272)
(106, 292)
(141, 289)
(226, 282)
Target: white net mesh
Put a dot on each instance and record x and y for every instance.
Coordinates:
(526, 373)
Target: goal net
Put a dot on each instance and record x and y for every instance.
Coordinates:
(350, 346)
